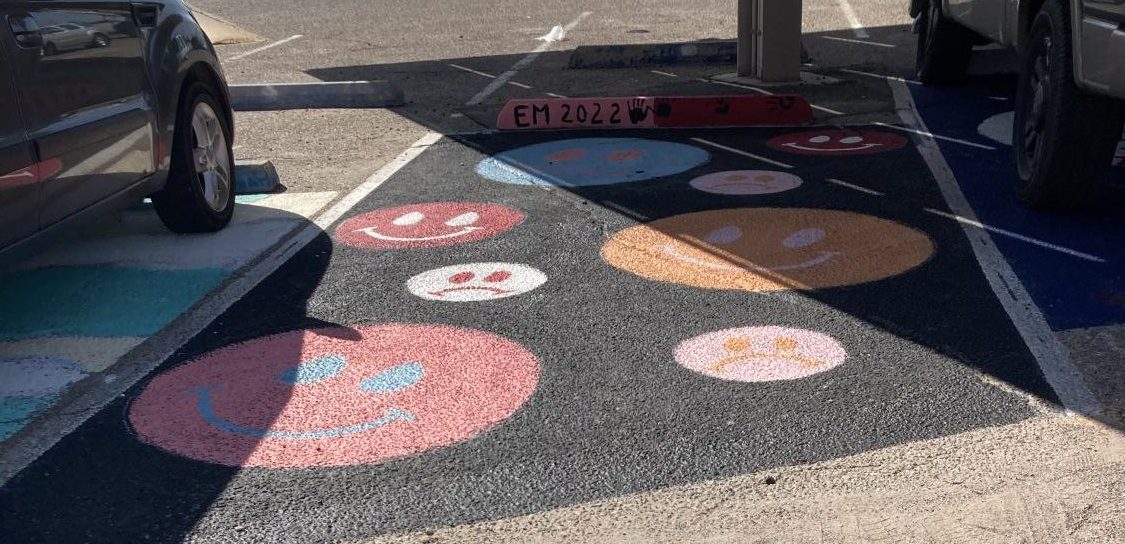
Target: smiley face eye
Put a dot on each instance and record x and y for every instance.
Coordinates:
(723, 235)
(412, 218)
(394, 379)
(316, 370)
(851, 140)
(820, 139)
(803, 238)
(464, 220)
(461, 277)
(498, 276)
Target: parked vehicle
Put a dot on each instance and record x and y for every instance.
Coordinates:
(1070, 100)
(69, 37)
(89, 124)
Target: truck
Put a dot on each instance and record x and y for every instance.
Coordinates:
(1070, 94)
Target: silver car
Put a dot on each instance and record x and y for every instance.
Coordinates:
(1070, 100)
(136, 106)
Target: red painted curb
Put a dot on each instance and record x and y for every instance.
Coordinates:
(654, 112)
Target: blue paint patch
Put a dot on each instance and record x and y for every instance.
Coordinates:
(250, 199)
(318, 369)
(395, 379)
(1071, 292)
(37, 376)
(16, 412)
(586, 162)
(98, 300)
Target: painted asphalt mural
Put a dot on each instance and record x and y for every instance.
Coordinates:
(618, 326)
(74, 311)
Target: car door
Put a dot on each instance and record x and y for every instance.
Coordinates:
(85, 99)
(19, 187)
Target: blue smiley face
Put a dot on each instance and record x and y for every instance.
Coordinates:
(585, 162)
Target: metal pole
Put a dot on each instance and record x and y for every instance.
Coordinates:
(769, 40)
(746, 37)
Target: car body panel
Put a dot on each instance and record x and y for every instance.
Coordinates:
(102, 139)
(19, 179)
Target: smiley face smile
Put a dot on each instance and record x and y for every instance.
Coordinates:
(372, 232)
(863, 147)
(493, 290)
(207, 412)
(674, 252)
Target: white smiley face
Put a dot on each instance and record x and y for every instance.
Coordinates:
(798, 240)
(474, 282)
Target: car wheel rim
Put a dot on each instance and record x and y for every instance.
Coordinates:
(1039, 95)
(211, 156)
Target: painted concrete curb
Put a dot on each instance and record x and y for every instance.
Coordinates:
(654, 112)
(333, 94)
(624, 56)
(255, 177)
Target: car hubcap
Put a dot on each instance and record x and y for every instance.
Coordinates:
(211, 156)
(1039, 87)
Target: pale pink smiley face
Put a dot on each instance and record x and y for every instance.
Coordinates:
(425, 225)
(837, 142)
(746, 182)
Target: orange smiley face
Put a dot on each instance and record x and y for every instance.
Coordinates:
(768, 249)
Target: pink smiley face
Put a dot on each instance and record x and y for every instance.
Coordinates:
(432, 224)
(837, 142)
(334, 397)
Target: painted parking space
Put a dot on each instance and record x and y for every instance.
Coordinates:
(68, 314)
(1070, 263)
(595, 332)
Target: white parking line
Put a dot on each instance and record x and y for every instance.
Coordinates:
(741, 152)
(471, 71)
(853, 20)
(518, 84)
(853, 186)
(861, 42)
(503, 79)
(555, 95)
(880, 76)
(264, 47)
(936, 136)
(665, 74)
(1017, 236)
(1049, 352)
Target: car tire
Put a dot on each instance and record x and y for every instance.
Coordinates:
(944, 47)
(199, 193)
(1063, 138)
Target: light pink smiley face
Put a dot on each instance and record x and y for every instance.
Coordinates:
(746, 182)
(332, 397)
(760, 354)
(837, 142)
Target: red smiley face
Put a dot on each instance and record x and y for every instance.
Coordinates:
(432, 224)
(837, 142)
(332, 397)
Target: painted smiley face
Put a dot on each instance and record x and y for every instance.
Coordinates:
(760, 354)
(768, 249)
(475, 282)
(837, 142)
(426, 225)
(746, 182)
(587, 162)
(332, 397)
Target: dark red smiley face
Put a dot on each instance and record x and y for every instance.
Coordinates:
(837, 142)
(424, 225)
